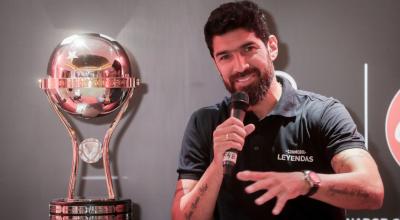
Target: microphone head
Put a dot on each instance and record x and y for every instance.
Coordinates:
(240, 100)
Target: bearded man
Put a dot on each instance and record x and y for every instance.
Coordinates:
(300, 154)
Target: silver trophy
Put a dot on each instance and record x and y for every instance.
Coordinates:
(89, 75)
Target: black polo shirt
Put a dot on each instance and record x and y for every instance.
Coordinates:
(304, 131)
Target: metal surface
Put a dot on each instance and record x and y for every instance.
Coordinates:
(89, 76)
(106, 142)
(104, 208)
(74, 141)
(95, 217)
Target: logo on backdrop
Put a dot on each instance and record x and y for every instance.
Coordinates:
(393, 127)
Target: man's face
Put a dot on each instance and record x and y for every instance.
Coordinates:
(245, 62)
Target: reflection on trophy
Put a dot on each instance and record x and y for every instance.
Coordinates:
(89, 75)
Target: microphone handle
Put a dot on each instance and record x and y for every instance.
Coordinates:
(230, 156)
(238, 113)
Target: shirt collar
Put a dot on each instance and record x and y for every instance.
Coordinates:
(288, 104)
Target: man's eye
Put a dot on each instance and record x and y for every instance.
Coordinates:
(249, 48)
(225, 57)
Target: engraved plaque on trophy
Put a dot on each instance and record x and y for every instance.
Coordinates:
(89, 76)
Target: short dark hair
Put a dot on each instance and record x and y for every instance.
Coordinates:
(234, 15)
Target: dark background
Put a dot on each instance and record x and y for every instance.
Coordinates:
(323, 45)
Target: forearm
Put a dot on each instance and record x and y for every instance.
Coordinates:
(356, 184)
(199, 203)
(350, 190)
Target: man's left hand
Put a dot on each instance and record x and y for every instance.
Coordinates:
(283, 186)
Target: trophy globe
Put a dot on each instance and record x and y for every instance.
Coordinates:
(89, 76)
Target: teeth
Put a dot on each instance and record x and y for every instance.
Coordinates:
(244, 78)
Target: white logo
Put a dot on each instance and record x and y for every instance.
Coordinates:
(296, 155)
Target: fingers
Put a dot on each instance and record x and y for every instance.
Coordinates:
(279, 185)
(280, 203)
(232, 132)
(231, 121)
(259, 185)
(229, 134)
(251, 175)
(249, 128)
(231, 125)
(223, 142)
(265, 197)
(271, 193)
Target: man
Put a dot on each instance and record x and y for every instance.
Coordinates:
(301, 156)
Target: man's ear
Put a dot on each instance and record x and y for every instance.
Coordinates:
(272, 46)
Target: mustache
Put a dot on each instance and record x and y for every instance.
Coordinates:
(246, 72)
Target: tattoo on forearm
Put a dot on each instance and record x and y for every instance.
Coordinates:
(350, 192)
(193, 206)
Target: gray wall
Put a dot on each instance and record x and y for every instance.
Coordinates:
(324, 45)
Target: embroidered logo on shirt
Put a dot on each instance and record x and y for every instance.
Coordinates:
(393, 127)
(296, 156)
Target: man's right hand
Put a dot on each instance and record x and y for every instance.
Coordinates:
(229, 134)
(196, 199)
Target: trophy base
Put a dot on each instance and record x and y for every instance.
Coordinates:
(63, 209)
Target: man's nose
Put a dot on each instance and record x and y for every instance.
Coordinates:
(240, 63)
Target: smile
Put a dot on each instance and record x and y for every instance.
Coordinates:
(245, 79)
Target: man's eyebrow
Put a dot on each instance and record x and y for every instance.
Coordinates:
(246, 44)
(227, 51)
(221, 53)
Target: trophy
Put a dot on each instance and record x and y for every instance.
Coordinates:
(89, 76)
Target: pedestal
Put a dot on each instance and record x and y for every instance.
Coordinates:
(91, 209)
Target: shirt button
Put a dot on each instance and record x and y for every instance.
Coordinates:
(256, 148)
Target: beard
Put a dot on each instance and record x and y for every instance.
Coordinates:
(257, 89)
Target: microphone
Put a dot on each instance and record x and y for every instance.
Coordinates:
(240, 103)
